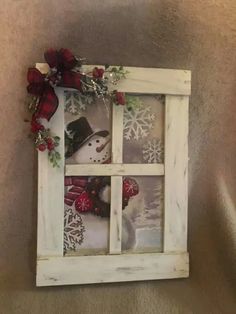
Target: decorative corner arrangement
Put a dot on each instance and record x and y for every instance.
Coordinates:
(66, 70)
(112, 147)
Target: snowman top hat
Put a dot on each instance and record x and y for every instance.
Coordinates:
(81, 132)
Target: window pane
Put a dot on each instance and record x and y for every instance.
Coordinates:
(144, 129)
(86, 217)
(87, 129)
(142, 216)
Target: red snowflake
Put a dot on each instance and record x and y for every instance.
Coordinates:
(83, 203)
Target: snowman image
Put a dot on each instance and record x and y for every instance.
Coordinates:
(90, 198)
(85, 145)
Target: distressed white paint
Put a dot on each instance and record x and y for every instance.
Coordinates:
(116, 215)
(115, 170)
(149, 80)
(51, 192)
(53, 268)
(117, 134)
(176, 173)
(111, 268)
(116, 181)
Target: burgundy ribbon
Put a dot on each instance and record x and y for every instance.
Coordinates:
(62, 62)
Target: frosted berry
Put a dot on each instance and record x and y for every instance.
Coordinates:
(42, 147)
(50, 144)
(98, 73)
(120, 98)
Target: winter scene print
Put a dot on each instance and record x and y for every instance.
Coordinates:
(142, 219)
(87, 199)
(87, 129)
(144, 130)
(86, 216)
(87, 213)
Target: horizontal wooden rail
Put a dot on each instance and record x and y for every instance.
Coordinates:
(147, 80)
(110, 268)
(115, 170)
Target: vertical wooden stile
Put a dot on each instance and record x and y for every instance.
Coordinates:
(51, 192)
(176, 173)
(116, 181)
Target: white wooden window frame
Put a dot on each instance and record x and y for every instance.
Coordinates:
(53, 268)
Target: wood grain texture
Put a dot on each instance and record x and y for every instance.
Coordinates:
(111, 268)
(190, 34)
(51, 192)
(149, 80)
(116, 215)
(117, 134)
(115, 170)
(176, 173)
(116, 181)
(121, 267)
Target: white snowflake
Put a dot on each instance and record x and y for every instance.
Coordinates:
(73, 229)
(153, 151)
(138, 122)
(76, 102)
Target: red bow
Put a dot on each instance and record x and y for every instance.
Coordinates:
(62, 62)
(48, 101)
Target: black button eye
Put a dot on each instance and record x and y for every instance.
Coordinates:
(89, 144)
(97, 141)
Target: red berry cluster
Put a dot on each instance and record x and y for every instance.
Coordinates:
(36, 126)
(48, 143)
(120, 98)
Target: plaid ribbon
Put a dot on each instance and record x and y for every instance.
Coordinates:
(62, 62)
(48, 101)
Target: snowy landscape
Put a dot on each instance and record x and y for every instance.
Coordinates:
(144, 216)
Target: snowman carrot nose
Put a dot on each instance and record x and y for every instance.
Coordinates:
(100, 148)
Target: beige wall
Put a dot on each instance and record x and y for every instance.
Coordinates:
(189, 34)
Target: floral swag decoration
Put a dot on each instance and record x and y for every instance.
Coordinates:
(66, 70)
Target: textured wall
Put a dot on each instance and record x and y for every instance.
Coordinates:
(189, 34)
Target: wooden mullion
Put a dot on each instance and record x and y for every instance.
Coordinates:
(116, 181)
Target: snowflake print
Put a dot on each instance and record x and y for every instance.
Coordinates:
(138, 122)
(153, 151)
(73, 230)
(75, 102)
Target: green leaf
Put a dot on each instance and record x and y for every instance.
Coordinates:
(57, 139)
(57, 155)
